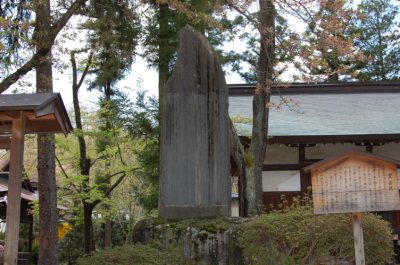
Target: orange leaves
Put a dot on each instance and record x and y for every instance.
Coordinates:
(63, 229)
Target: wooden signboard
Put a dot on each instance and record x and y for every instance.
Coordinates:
(354, 183)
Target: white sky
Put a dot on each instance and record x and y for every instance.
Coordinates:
(140, 73)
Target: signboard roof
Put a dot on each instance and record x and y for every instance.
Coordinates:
(45, 112)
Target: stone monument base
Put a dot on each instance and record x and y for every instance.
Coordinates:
(192, 212)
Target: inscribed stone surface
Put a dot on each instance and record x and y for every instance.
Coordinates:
(194, 167)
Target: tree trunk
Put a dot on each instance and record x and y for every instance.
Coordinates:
(88, 227)
(84, 161)
(45, 47)
(48, 214)
(256, 153)
(163, 50)
(108, 234)
(107, 225)
(237, 155)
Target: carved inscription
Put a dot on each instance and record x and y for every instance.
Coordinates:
(355, 186)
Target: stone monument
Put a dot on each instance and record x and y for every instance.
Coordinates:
(194, 155)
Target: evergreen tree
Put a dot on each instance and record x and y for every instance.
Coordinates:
(113, 38)
(285, 41)
(14, 31)
(378, 37)
(327, 52)
(142, 122)
(163, 22)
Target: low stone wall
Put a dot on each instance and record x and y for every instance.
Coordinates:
(204, 242)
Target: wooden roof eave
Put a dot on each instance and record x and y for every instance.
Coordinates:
(325, 139)
(346, 155)
(54, 106)
(48, 116)
(319, 88)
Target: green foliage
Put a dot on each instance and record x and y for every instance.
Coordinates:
(141, 121)
(297, 236)
(113, 37)
(211, 225)
(244, 62)
(248, 158)
(133, 254)
(15, 32)
(378, 37)
(241, 119)
(165, 19)
(70, 248)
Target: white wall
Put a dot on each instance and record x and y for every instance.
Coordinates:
(235, 208)
(281, 180)
(290, 180)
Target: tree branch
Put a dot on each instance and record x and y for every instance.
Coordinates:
(28, 66)
(58, 26)
(119, 180)
(97, 159)
(65, 174)
(85, 71)
(62, 168)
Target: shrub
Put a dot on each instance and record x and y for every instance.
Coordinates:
(297, 236)
(137, 254)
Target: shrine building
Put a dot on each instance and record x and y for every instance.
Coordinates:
(311, 122)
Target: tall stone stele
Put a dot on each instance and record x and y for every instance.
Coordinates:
(194, 163)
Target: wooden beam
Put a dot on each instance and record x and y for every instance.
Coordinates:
(357, 139)
(318, 88)
(284, 167)
(369, 148)
(9, 115)
(5, 142)
(14, 190)
(302, 153)
(358, 238)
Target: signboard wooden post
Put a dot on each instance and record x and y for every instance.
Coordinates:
(354, 183)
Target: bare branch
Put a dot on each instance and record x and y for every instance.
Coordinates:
(119, 180)
(58, 26)
(65, 173)
(62, 168)
(86, 70)
(97, 159)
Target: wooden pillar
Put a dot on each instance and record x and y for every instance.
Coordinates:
(14, 190)
(302, 153)
(358, 238)
(369, 148)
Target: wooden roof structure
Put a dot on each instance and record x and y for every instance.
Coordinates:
(355, 112)
(319, 88)
(22, 114)
(45, 112)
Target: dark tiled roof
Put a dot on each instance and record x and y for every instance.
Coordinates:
(41, 104)
(26, 101)
(326, 114)
(319, 88)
